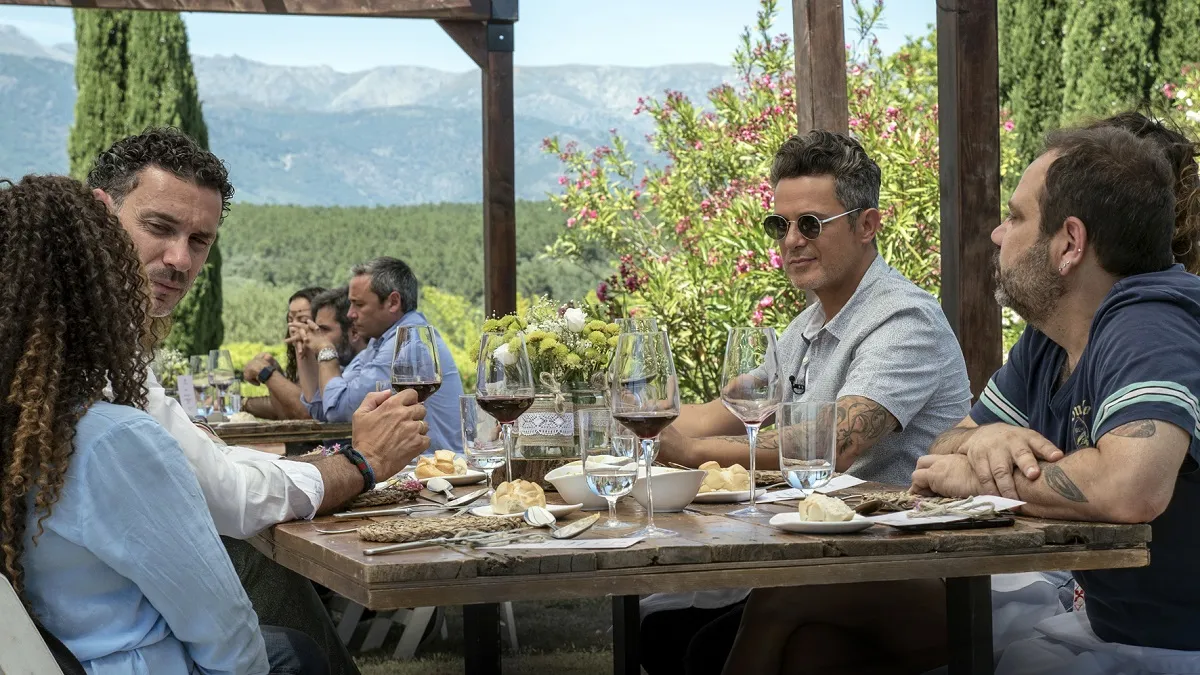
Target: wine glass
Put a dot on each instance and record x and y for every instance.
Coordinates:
(750, 390)
(645, 399)
(221, 374)
(482, 441)
(200, 383)
(807, 443)
(608, 453)
(504, 384)
(415, 363)
(631, 324)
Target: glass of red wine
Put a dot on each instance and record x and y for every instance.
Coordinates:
(504, 385)
(415, 363)
(645, 399)
(750, 390)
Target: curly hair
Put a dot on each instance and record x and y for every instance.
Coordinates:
(116, 170)
(1181, 153)
(308, 294)
(75, 309)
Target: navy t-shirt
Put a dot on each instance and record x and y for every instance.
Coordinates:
(1142, 361)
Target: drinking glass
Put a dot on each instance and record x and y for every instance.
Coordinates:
(807, 443)
(639, 324)
(750, 390)
(504, 385)
(201, 381)
(645, 399)
(608, 453)
(483, 443)
(221, 374)
(415, 363)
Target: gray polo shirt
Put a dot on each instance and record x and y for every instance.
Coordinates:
(891, 343)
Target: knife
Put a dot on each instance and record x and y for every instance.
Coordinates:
(465, 499)
(571, 530)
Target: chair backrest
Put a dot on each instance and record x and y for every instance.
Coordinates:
(23, 651)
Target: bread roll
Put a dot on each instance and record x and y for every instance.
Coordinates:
(517, 496)
(442, 463)
(733, 479)
(820, 508)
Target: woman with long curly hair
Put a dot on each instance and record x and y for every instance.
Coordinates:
(283, 402)
(104, 532)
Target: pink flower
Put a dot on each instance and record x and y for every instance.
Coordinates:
(602, 292)
(562, 180)
(699, 145)
(776, 259)
(637, 215)
(1008, 125)
(591, 213)
(757, 318)
(892, 112)
(766, 302)
(1168, 90)
(570, 222)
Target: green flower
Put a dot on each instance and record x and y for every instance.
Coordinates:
(597, 338)
(612, 329)
(574, 361)
(535, 336)
(591, 355)
(594, 325)
(548, 345)
(612, 341)
(492, 326)
(561, 350)
(514, 346)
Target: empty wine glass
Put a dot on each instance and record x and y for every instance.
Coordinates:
(201, 382)
(221, 374)
(645, 399)
(750, 390)
(608, 453)
(807, 443)
(483, 441)
(415, 363)
(504, 384)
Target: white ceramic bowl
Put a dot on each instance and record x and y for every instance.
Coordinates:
(570, 482)
(674, 489)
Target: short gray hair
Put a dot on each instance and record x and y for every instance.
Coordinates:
(391, 275)
(824, 153)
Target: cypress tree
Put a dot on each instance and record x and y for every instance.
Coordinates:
(1178, 38)
(1107, 56)
(1031, 77)
(100, 82)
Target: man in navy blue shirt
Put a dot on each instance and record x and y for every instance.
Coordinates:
(1102, 386)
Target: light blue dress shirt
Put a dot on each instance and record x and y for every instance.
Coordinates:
(342, 395)
(129, 572)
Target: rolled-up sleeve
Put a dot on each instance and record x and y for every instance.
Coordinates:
(246, 490)
(343, 395)
(156, 533)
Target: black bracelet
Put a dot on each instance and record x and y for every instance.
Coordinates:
(361, 464)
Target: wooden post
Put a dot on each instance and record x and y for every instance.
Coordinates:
(820, 65)
(499, 174)
(969, 136)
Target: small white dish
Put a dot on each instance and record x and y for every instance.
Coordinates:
(790, 522)
(674, 489)
(471, 477)
(726, 497)
(559, 510)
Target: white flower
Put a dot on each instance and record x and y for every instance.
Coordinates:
(504, 355)
(575, 319)
(1193, 115)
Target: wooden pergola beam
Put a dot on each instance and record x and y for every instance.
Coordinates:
(460, 10)
(820, 65)
(969, 139)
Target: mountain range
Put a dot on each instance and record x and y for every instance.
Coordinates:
(317, 136)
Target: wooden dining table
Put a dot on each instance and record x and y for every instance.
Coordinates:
(714, 550)
(265, 432)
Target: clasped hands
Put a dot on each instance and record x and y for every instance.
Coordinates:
(985, 463)
(307, 338)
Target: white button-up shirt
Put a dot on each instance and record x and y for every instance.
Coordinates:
(246, 490)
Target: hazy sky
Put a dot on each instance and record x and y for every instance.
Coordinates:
(550, 32)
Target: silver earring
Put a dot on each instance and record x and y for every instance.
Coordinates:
(1063, 266)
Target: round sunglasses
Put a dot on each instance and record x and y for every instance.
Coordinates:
(808, 225)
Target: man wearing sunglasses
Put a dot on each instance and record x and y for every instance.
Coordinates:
(869, 339)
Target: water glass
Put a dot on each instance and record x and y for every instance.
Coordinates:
(222, 374)
(483, 439)
(608, 453)
(807, 443)
(201, 381)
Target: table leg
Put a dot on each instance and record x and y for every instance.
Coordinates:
(481, 632)
(969, 625)
(626, 635)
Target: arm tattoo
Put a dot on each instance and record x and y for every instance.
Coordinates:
(1058, 481)
(767, 440)
(1138, 429)
(861, 422)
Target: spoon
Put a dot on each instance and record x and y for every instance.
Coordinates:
(539, 516)
(440, 485)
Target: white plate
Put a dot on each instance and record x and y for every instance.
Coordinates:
(471, 477)
(559, 510)
(725, 496)
(790, 522)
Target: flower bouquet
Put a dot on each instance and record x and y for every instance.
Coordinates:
(569, 352)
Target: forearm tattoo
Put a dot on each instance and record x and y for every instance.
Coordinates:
(1058, 481)
(861, 422)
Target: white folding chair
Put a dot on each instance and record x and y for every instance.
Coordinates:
(22, 649)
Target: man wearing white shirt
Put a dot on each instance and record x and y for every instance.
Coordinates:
(170, 196)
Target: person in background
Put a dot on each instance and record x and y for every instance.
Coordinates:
(104, 531)
(283, 403)
(383, 297)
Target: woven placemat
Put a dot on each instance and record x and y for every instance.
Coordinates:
(897, 501)
(417, 529)
(392, 494)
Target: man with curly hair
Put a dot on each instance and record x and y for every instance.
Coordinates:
(170, 195)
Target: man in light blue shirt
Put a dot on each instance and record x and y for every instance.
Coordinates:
(383, 299)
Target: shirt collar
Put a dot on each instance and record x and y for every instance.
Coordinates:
(836, 327)
(413, 318)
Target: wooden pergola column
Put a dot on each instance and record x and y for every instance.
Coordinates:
(820, 43)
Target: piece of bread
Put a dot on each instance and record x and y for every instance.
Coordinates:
(819, 508)
(733, 479)
(517, 496)
(442, 463)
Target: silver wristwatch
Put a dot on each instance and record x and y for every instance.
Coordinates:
(327, 354)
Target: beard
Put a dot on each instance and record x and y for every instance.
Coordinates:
(1030, 286)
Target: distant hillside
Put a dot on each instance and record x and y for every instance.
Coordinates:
(315, 136)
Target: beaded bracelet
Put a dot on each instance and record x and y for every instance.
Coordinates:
(361, 464)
